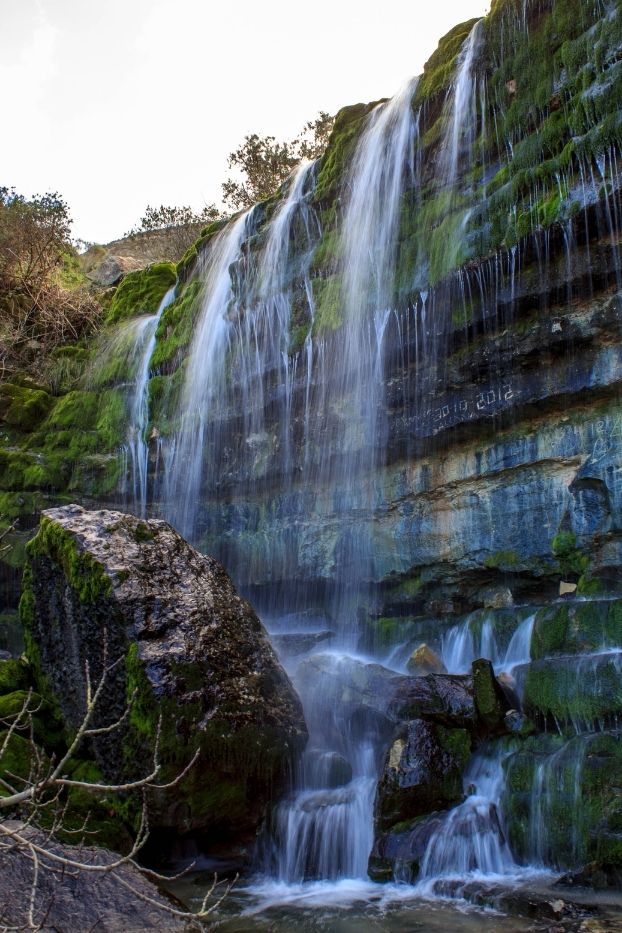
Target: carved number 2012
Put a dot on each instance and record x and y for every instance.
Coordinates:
(493, 396)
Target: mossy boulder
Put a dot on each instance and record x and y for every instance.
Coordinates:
(422, 773)
(490, 700)
(141, 292)
(576, 628)
(22, 407)
(194, 655)
(17, 760)
(14, 675)
(575, 692)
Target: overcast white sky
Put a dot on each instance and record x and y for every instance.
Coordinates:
(118, 104)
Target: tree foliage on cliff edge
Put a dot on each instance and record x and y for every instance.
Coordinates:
(264, 162)
(179, 226)
(43, 299)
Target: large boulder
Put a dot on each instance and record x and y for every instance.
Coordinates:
(191, 651)
(446, 699)
(75, 900)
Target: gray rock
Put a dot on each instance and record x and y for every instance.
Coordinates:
(292, 644)
(194, 651)
(73, 901)
(114, 268)
(446, 699)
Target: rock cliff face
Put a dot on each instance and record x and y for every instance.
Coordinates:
(193, 653)
(388, 399)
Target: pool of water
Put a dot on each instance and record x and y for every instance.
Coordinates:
(363, 907)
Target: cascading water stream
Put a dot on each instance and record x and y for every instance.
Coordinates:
(472, 838)
(136, 448)
(326, 829)
(205, 374)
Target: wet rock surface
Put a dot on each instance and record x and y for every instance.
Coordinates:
(422, 773)
(190, 650)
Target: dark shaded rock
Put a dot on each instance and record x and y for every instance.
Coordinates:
(332, 770)
(75, 901)
(399, 851)
(490, 700)
(294, 643)
(446, 699)
(422, 772)
(596, 875)
(517, 722)
(347, 693)
(194, 652)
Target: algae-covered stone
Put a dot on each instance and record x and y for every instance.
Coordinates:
(193, 653)
(23, 407)
(422, 772)
(490, 700)
(562, 800)
(142, 291)
(577, 692)
(14, 675)
(577, 627)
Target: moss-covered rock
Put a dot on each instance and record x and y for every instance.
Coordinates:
(141, 292)
(490, 701)
(580, 627)
(422, 773)
(574, 692)
(562, 800)
(22, 407)
(194, 654)
(14, 675)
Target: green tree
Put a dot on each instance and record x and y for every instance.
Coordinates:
(264, 162)
(179, 227)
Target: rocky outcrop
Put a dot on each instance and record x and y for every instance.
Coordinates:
(77, 900)
(191, 651)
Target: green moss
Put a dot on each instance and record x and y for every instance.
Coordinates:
(327, 294)
(141, 292)
(575, 693)
(112, 417)
(144, 533)
(84, 574)
(577, 628)
(14, 675)
(76, 411)
(176, 328)
(457, 743)
(16, 762)
(23, 408)
(506, 561)
(439, 70)
(347, 128)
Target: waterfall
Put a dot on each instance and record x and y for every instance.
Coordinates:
(326, 831)
(460, 647)
(472, 837)
(461, 109)
(205, 373)
(136, 448)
